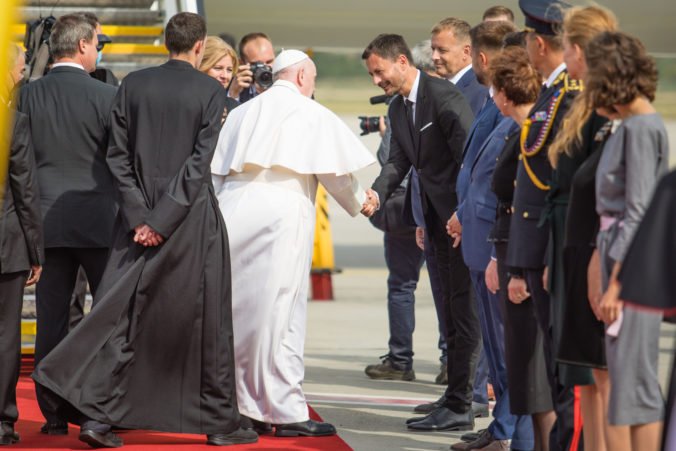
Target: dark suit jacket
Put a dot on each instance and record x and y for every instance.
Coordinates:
(20, 220)
(442, 120)
(475, 93)
(69, 121)
(528, 236)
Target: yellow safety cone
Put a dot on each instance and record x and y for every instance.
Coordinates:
(323, 262)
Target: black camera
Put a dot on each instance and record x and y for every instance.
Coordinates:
(369, 124)
(262, 74)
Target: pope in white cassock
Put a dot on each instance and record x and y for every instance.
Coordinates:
(272, 152)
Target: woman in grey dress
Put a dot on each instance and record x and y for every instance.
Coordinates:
(621, 84)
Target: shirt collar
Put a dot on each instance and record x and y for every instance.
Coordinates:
(75, 65)
(456, 78)
(413, 95)
(556, 73)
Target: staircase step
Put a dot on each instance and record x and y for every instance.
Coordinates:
(47, 5)
(121, 16)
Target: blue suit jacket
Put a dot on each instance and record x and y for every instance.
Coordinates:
(487, 119)
(474, 92)
(480, 203)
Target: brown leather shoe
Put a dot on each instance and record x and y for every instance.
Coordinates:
(485, 441)
(386, 370)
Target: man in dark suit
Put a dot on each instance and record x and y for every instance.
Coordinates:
(529, 234)
(429, 121)
(21, 252)
(69, 122)
(451, 53)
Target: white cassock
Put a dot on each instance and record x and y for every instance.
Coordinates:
(271, 153)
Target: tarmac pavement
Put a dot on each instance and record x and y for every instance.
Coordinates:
(351, 332)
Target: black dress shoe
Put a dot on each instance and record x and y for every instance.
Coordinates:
(100, 440)
(430, 406)
(57, 428)
(259, 426)
(309, 428)
(237, 437)
(8, 436)
(480, 410)
(444, 419)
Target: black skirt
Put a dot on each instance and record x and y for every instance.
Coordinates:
(582, 335)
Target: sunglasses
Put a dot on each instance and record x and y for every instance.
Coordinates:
(103, 40)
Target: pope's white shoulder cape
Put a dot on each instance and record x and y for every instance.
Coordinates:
(281, 127)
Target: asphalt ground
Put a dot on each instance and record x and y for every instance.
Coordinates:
(351, 332)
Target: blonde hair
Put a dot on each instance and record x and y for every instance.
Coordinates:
(580, 26)
(216, 49)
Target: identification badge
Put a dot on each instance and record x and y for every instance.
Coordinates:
(540, 116)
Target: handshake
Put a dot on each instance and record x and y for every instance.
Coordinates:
(146, 236)
(372, 203)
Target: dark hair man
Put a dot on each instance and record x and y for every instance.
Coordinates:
(430, 120)
(253, 48)
(156, 350)
(69, 123)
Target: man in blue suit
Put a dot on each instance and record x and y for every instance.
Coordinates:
(472, 223)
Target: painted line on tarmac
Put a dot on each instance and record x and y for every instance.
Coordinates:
(365, 399)
(370, 400)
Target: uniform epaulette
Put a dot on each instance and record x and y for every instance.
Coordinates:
(571, 84)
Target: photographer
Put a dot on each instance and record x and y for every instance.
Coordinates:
(255, 74)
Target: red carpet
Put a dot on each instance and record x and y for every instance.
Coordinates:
(30, 421)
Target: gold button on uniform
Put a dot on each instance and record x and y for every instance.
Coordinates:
(525, 214)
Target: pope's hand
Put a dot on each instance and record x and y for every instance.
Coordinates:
(371, 204)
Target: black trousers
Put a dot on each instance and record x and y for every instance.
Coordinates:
(463, 334)
(11, 301)
(53, 300)
(563, 397)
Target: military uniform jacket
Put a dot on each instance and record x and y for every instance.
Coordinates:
(433, 145)
(20, 220)
(529, 234)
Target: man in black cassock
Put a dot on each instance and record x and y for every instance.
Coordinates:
(156, 350)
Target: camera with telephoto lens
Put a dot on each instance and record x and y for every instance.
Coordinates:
(370, 124)
(262, 74)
